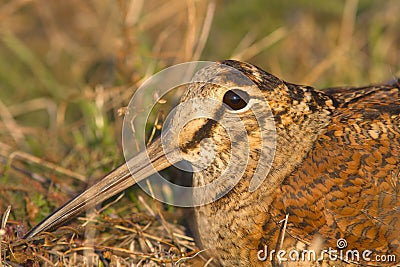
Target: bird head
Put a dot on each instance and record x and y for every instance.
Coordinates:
(239, 126)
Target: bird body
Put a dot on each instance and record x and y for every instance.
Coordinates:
(334, 172)
(337, 177)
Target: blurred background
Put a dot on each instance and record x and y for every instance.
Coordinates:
(67, 69)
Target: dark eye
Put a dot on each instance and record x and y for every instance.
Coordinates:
(236, 99)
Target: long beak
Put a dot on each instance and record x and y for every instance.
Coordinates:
(146, 163)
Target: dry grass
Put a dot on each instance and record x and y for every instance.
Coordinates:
(66, 68)
(142, 239)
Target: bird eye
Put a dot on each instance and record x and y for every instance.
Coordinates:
(236, 99)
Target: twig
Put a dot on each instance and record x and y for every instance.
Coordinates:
(190, 257)
(205, 31)
(261, 45)
(3, 230)
(11, 125)
(28, 157)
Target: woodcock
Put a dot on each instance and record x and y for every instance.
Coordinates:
(335, 174)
